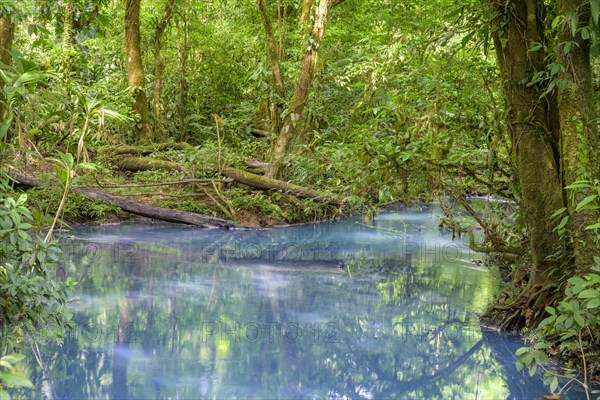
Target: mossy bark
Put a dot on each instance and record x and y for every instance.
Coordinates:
(290, 124)
(275, 52)
(7, 30)
(159, 64)
(579, 140)
(534, 154)
(144, 150)
(265, 183)
(135, 71)
(134, 164)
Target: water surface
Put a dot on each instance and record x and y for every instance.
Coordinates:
(170, 312)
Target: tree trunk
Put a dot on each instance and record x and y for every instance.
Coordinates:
(264, 183)
(7, 30)
(274, 52)
(134, 164)
(145, 210)
(290, 124)
(135, 70)
(305, 16)
(579, 140)
(182, 47)
(159, 65)
(534, 151)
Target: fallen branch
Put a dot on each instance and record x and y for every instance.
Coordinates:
(145, 210)
(264, 183)
(181, 196)
(517, 251)
(182, 182)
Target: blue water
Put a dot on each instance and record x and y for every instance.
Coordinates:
(352, 309)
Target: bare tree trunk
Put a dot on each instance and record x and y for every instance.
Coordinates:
(7, 30)
(135, 70)
(579, 140)
(159, 65)
(290, 125)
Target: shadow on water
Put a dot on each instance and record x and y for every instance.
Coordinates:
(387, 309)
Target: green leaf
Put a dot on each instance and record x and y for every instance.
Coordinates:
(595, 226)
(576, 280)
(559, 211)
(579, 319)
(593, 303)
(585, 33)
(13, 358)
(521, 351)
(551, 310)
(574, 23)
(554, 385)
(595, 10)
(541, 357)
(585, 201)
(563, 222)
(556, 21)
(15, 380)
(589, 294)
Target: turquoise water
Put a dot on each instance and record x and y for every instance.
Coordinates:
(170, 312)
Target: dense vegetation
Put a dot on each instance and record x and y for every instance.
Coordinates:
(359, 103)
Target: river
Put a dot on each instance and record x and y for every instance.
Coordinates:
(386, 308)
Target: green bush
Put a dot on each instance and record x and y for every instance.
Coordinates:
(77, 208)
(32, 300)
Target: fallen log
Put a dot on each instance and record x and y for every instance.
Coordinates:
(264, 183)
(256, 167)
(135, 164)
(259, 133)
(145, 210)
(143, 150)
(256, 164)
(182, 182)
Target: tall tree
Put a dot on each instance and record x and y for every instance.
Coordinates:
(7, 29)
(579, 141)
(274, 52)
(553, 142)
(159, 64)
(305, 15)
(290, 125)
(135, 70)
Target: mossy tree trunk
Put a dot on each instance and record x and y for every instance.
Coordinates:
(183, 50)
(579, 140)
(275, 53)
(135, 70)
(7, 30)
(290, 124)
(305, 15)
(533, 134)
(159, 64)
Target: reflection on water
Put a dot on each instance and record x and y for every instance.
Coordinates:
(175, 312)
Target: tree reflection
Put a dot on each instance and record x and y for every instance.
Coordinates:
(179, 318)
